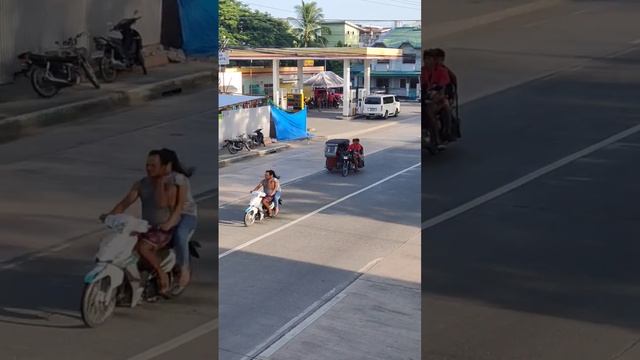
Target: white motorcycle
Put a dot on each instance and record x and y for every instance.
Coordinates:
(118, 279)
(256, 211)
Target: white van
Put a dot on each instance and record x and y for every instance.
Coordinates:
(380, 106)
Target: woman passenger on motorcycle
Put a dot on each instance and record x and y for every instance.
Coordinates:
(278, 191)
(185, 214)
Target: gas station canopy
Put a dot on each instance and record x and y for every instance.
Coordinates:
(326, 53)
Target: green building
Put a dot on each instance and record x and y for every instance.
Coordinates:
(342, 33)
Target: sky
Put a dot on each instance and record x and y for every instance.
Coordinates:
(346, 9)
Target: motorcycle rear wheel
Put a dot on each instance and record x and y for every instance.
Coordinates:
(91, 316)
(43, 87)
(232, 149)
(107, 72)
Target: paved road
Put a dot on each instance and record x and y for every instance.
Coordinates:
(546, 270)
(53, 186)
(329, 230)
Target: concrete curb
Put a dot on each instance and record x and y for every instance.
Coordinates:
(252, 154)
(22, 125)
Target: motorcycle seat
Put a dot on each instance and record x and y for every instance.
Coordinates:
(51, 58)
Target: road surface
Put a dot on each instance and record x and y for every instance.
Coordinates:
(530, 222)
(287, 285)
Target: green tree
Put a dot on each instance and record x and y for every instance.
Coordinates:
(242, 26)
(310, 30)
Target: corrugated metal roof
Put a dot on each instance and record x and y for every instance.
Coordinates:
(229, 100)
(395, 38)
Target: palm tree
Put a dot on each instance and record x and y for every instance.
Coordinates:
(309, 28)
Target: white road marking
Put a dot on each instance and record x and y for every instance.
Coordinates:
(635, 42)
(60, 247)
(289, 182)
(177, 342)
(447, 215)
(312, 313)
(277, 230)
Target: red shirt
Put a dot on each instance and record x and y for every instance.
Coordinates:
(439, 76)
(355, 147)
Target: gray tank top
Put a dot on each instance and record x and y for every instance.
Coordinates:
(151, 210)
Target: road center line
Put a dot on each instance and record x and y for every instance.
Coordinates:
(177, 342)
(312, 313)
(283, 227)
(447, 215)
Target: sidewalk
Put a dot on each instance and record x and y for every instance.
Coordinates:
(377, 317)
(226, 159)
(22, 111)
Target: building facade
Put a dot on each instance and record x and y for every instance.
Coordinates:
(342, 33)
(399, 77)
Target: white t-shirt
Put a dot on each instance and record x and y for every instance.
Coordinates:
(190, 207)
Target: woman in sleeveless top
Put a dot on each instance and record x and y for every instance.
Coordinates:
(185, 215)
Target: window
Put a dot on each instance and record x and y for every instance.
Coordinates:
(372, 100)
(403, 83)
(413, 83)
(409, 58)
(386, 61)
(381, 82)
(388, 99)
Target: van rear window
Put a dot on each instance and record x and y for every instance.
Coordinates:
(372, 100)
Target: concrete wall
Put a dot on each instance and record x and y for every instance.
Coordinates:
(35, 25)
(236, 122)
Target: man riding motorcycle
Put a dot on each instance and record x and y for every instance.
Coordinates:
(434, 80)
(158, 198)
(271, 187)
(357, 151)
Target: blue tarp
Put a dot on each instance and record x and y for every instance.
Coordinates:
(289, 126)
(199, 19)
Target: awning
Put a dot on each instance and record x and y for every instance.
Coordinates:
(328, 53)
(325, 79)
(230, 100)
(395, 73)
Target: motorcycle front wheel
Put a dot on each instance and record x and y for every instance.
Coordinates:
(107, 72)
(345, 168)
(41, 85)
(249, 219)
(95, 309)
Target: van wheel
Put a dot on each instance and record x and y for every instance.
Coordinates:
(386, 114)
(396, 113)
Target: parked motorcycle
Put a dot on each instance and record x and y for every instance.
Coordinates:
(118, 279)
(256, 211)
(54, 70)
(258, 138)
(114, 54)
(239, 143)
